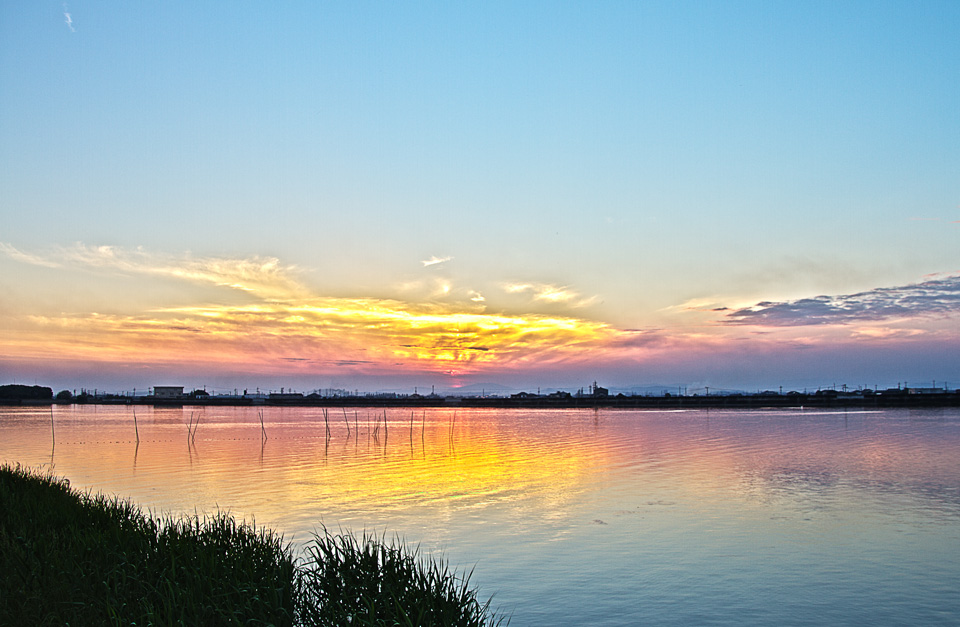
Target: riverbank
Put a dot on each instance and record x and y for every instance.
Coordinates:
(77, 558)
(826, 400)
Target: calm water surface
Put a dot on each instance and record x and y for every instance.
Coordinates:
(576, 517)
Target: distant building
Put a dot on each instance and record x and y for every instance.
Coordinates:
(167, 391)
(596, 390)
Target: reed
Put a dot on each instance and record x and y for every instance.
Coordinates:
(193, 435)
(347, 580)
(82, 559)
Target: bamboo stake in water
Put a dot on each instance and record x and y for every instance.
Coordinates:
(135, 428)
(263, 432)
(326, 422)
(386, 434)
(345, 419)
(53, 432)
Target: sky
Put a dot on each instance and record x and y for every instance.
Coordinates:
(378, 196)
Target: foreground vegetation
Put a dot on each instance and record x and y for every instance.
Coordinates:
(71, 558)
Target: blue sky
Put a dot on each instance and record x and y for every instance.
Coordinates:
(645, 166)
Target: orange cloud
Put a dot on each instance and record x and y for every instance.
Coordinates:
(288, 323)
(322, 331)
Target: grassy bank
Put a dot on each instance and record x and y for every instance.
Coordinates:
(72, 558)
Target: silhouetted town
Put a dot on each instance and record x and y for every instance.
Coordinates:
(594, 396)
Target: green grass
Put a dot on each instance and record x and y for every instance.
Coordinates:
(71, 558)
(371, 583)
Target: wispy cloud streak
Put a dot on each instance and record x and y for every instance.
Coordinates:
(67, 19)
(263, 276)
(548, 293)
(434, 260)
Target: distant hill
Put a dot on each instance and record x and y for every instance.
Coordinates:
(476, 389)
(660, 390)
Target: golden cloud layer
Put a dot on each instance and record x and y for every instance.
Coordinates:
(325, 331)
(289, 323)
(260, 314)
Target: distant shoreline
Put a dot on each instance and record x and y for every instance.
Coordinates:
(826, 400)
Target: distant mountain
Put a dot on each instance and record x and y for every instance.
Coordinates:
(661, 389)
(476, 389)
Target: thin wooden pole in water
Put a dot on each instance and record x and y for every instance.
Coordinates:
(53, 432)
(136, 429)
(386, 434)
(326, 422)
(263, 432)
(346, 420)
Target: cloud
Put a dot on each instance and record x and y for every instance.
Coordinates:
(548, 293)
(360, 331)
(934, 297)
(34, 260)
(263, 276)
(286, 320)
(434, 260)
(884, 333)
(68, 19)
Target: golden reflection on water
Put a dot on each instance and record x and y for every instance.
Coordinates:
(427, 463)
(426, 469)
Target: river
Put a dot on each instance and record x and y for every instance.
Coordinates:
(569, 517)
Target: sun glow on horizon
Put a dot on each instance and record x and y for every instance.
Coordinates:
(287, 323)
(257, 315)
